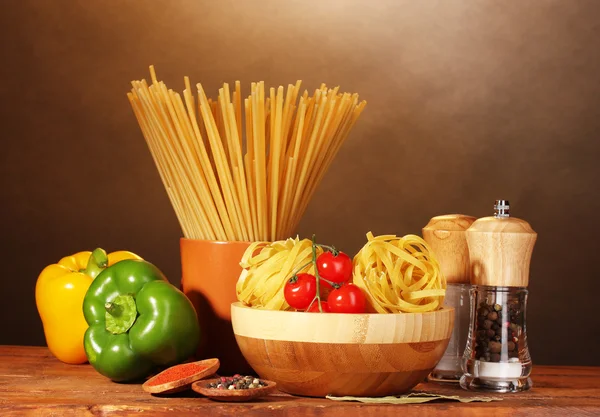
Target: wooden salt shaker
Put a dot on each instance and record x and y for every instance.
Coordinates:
(447, 239)
(497, 357)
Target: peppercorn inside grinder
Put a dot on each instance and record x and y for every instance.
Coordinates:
(446, 237)
(496, 357)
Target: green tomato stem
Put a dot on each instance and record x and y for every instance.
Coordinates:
(301, 268)
(331, 249)
(317, 276)
(335, 285)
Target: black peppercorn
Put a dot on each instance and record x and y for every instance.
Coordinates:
(495, 347)
(490, 324)
(237, 382)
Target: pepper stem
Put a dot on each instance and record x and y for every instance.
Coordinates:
(97, 263)
(120, 314)
(113, 309)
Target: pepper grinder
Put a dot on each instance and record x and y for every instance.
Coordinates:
(496, 357)
(446, 237)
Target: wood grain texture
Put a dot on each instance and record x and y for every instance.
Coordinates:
(236, 395)
(500, 250)
(318, 369)
(342, 328)
(342, 354)
(446, 236)
(34, 383)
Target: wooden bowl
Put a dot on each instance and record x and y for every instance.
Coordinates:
(316, 354)
(236, 395)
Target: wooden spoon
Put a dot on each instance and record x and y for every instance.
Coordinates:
(248, 394)
(210, 367)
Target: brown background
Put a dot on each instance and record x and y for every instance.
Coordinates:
(468, 102)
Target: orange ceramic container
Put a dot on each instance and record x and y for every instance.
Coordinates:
(210, 270)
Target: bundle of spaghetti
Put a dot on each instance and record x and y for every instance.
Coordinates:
(242, 169)
(399, 274)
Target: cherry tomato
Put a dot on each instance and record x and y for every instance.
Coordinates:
(334, 268)
(315, 307)
(300, 291)
(347, 299)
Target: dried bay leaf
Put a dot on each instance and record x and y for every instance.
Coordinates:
(413, 398)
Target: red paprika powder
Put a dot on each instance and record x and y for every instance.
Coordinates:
(177, 372)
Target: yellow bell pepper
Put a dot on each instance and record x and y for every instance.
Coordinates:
(59, 294)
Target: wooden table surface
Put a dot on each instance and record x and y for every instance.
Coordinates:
(33, 382)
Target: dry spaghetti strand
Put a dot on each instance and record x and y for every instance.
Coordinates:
(241, 168)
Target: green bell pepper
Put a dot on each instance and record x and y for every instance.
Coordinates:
(137, 322)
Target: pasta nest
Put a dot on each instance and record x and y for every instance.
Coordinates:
(399, 274)
(266, 269)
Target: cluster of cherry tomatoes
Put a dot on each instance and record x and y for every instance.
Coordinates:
(334, 273)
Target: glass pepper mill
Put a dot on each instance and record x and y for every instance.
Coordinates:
(496, 357)
(446, 237)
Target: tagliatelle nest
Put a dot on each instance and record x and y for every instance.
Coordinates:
(267, 268)
(399, 274)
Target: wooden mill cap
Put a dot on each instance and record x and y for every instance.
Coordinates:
(447, 239)
(500, 249)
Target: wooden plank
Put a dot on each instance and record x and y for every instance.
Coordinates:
(33, 382)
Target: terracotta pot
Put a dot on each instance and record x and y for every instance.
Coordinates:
(210, 271)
